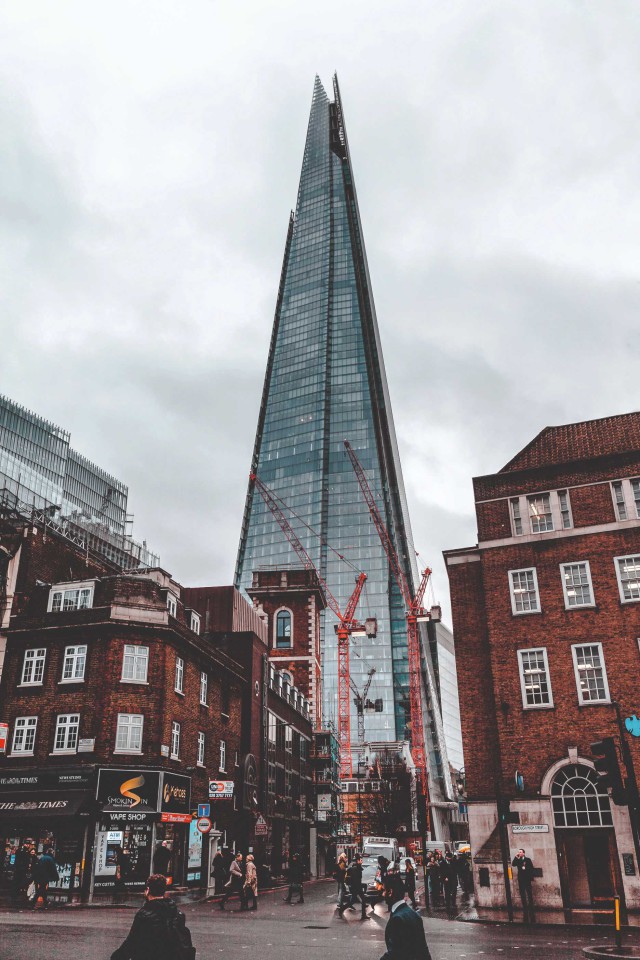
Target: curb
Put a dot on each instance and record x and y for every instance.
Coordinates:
(489, 921)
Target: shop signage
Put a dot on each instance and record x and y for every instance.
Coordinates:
(176, 795)
(175, 817)
(4, 736)
(322, 814)
(126, 817)
(204, 824)
(86, 746)
(221, 789)
(530, 828)
(324, 801)
(78, 779)
(261, 829)
(128, 790)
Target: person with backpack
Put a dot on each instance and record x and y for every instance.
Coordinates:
(356, 888)
(158, 931)
(44, 872)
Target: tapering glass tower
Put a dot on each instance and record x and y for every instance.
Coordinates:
(325, 382)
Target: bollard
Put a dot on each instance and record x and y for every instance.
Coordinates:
(616, 914)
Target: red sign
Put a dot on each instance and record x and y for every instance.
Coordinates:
(261, 829)
(204, 824)
(4, 736)
(175, 817)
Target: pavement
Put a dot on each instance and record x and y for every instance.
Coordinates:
(278, 931)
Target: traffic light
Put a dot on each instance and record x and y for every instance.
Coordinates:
(608, 769)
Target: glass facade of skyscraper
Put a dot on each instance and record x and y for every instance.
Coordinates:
(325, 383)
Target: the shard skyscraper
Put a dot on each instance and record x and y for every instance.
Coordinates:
(325, 382)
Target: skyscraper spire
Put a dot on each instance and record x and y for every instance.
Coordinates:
(325, 382)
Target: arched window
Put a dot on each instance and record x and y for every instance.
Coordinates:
(577, 799)
(283, 629)
(287, 677)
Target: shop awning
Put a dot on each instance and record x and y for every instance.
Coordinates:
(60, 803)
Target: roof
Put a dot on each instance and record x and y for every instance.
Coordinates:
(579, 441)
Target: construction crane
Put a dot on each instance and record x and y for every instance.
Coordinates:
(414, 614)
(359, 700)
(346, 627)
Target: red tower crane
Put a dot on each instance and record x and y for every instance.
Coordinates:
(347, 625)
(414, 612)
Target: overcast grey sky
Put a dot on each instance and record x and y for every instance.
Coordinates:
(150, 156)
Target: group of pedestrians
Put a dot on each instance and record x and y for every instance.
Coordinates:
(237, 876)
(447, 873)
(352, 890)
(32, 875)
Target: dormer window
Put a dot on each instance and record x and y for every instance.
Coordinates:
(76, 596)
(172, 605)
(194, 622)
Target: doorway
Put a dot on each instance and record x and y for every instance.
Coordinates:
(589, 868)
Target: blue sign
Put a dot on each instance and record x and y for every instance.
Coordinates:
(204, 809)
(633, 725)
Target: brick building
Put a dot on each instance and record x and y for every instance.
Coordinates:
(547, 619)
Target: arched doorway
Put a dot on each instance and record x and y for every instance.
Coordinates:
(585, 839)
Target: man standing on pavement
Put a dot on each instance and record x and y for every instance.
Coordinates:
(404, 933)
(295, 879)
(524, 866)
(356, 888)
(162, 858)
(449, 878)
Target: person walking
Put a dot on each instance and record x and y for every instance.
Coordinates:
(218, 872)
(524, 866)
(158, 931)
(410, 882)
(435, 884)
(251, 883)
(22, 873)
(162, 858)
(404, 934)
(44, 872)
(295, 880)
(339, 874)
(235, 883)
(449, 878)
(356, 888)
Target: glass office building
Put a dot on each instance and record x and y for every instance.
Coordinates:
(325, 383)
(39, 471)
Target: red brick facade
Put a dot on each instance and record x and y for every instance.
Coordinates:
(504, 731)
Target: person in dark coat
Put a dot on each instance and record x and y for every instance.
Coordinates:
(295, 880)
(339, 875)
(435, 885)
(44, 872)
(356, 888)
(449, 878)
(404, 933)
(410, 882)
(524, 866)
(218, 872)
(158, 931)
(22, 872)
(162, 858)
(123, 869)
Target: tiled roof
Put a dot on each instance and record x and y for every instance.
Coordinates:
(579, 441)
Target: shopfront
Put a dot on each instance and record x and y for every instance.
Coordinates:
(138, 810)
(47, 810)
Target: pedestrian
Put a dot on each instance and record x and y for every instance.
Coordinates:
(162, 859)
(251, 883)
(449, 878)
(435, 885)
(524, 866)
(295, 880)
(404, 933)
(22, 872)
(464, 872)
(44, 872)
(410, 882)
(235, 883)
(339, 874)
(123, 869)
(218, 872)
(356, 888)
(158, 931)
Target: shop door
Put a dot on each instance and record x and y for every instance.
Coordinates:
(589, 868)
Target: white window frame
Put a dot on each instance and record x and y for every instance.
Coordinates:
(204, 688)
(568, 511)
(179, 678)
(23, 726)
(515, 512)
(74, 655)
(172, 604)
(201, 749)
(129, 722)
(523, 690)
(275, 628)
(69, 725)
(607, 697)
(139, 655)
(621, 502)
(565, 589)
(175, 740)
(37, 664)
(538, 496)
(223, 757)
(195, 622)
(62, 600)
(524, 613)
(616, 562)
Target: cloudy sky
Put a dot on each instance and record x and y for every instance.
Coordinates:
(150, 156)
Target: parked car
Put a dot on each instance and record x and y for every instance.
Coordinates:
(371, 879)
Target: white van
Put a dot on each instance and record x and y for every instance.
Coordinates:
(381, 846)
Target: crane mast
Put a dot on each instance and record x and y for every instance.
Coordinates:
(345, 627)
(414, 612)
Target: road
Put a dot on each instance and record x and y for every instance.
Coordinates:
(277, 931)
